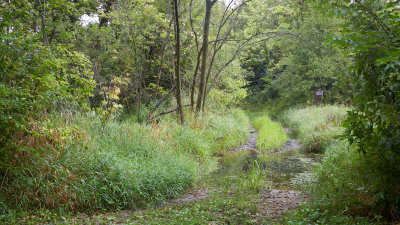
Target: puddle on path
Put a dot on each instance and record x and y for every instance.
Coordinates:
(286, 170)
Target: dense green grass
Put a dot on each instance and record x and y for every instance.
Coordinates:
(233, 200)
(271, 136)
(316, 125)
(131, 165)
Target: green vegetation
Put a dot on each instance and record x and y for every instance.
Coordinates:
(316, 126)
(346, 182)
(219, 208)
(288, 70)
(271, 136)
(307, 215)
(126, 167)
(234, 200)
(346, 179)
(93, 97)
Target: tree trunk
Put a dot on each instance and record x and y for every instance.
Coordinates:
(138, 98)
(204, 55)
(194, 82)
(43, 18)
(177, 63)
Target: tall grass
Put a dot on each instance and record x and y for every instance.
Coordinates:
(130, 165)
(346, 184)
(345, 181)
(316, 126)
(271, 136)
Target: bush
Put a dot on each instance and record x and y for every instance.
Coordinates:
(316, 126)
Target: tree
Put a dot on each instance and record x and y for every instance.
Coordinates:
(289, 69)
(371, 36)
(38, 77)
(204, 55)
(177, 63)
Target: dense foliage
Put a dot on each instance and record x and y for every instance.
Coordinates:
(73, 74)
(288, 69)
(127, 166)
(371, 37)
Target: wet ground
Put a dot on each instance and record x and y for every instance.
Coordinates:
(251, 143)
(286, 172)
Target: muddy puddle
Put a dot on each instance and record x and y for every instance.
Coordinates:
(284, 172)
(289, 170)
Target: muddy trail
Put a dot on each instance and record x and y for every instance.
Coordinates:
(251, 143)
(287, 171)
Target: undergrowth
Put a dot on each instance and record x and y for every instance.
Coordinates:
(271, 136)
(130, 165)
(309, 215)
(346, 187)
(316, 125)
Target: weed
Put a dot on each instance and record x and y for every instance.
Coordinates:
(271, 136)
(316, 126)
(129, 166)
(311, 215)
(253, 180)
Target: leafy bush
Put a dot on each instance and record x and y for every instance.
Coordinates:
(34, 81)
(316, 126)
(371, 35)
(270, 134)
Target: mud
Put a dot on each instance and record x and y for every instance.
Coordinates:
(274, 202)
(287, 171)
(251, 143)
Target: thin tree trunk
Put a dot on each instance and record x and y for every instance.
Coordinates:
(43, 18)
(177, 63)
(160, 71)
(194, 82)
(138, 99)
(203, 67)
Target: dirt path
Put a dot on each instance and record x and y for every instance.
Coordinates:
(251, 143)
(192, 196)
(272, 202)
